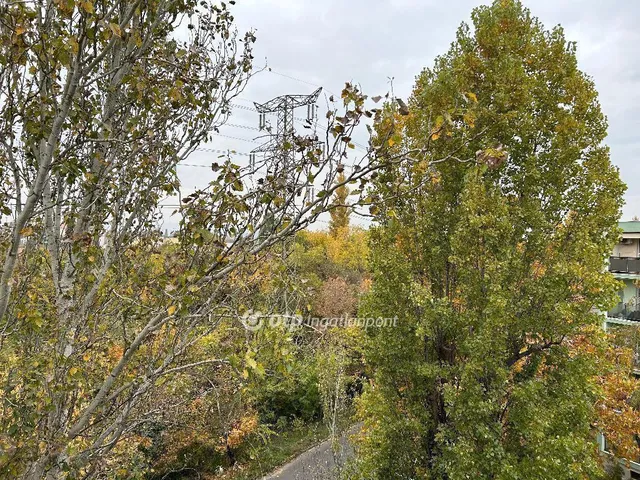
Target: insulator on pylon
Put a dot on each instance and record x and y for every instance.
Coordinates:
(309, 193)
(262, 121)
(311, 112)
(252, 161)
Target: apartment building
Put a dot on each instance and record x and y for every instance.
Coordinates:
(625, 266)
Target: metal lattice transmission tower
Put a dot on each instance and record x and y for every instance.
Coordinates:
(279, 154)
(279, 149)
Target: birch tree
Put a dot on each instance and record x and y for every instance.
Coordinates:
(99, 102)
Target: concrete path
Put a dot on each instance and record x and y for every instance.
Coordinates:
(318, 463)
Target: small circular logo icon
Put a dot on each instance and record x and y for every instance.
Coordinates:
(251, 320)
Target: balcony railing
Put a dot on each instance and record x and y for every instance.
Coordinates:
(626, 311)
(624, 264)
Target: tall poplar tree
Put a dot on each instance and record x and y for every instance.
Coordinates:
(494, 263)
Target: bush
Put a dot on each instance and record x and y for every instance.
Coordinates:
(191, 460)
(296, 397)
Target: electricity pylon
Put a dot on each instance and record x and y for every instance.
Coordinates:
(279, 149)
(279, 154)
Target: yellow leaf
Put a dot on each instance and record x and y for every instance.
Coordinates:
(172, 309)
(73, 371)
(391, 142)
(470, 119)
(435, 136)
(174, 94)
(472, 96)
(115, 29)
(87, 6)
(74, 45)
(20, 30)
(136, 38)
(25, 232)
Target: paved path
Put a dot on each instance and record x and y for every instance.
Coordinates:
(318, 463)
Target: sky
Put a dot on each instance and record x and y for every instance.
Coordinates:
(310, 43)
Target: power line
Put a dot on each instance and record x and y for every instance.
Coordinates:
(237, 125)
(298, 80)
(193, 165)
(230, 151)
(236, 138)
(248, 100)
(292, 78)
(243, 107)
(251, 109)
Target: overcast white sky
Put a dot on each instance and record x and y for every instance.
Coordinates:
(328, 42)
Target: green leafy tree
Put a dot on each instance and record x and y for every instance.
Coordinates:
(494, 263)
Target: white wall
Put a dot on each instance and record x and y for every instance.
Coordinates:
(631, 250)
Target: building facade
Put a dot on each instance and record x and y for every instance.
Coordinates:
(624, 264)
